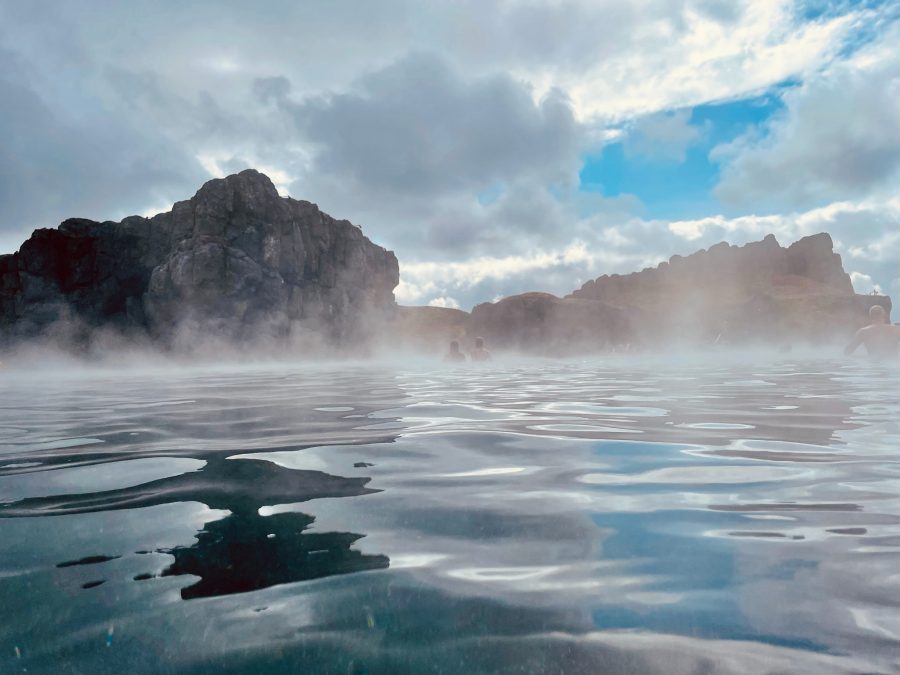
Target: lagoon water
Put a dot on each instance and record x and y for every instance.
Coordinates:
(598, 516)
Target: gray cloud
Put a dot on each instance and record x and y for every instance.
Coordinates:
(438, 164)
(418, 126)
(83, 159)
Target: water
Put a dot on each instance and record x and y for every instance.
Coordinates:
(576, 517)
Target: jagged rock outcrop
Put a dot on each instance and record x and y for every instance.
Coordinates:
(809, 265)
(236, 262)
(760, 292)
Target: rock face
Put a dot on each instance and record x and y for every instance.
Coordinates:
(724, 271)
(760, 292)
(236, 262)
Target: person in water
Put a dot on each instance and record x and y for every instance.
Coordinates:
(454, 355)
(882, 340)
(480, 353)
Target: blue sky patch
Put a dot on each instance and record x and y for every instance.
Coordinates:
(678, 189)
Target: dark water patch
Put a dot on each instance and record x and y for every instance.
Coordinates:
(246, 552)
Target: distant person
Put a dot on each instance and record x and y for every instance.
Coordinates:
(480, 353)
(454, 355)
(882, 340)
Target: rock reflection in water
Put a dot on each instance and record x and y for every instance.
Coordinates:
(243, 551)
(246, 552)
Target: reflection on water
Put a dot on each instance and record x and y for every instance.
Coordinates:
(548, 517)
(245, 552)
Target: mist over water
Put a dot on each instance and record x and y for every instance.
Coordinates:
(718, 512)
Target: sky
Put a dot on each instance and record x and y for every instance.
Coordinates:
(497, 147)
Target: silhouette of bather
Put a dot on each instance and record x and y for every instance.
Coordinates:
(881, 339)
(454, 355)
(480, 353)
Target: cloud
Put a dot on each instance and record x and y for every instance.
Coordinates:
(837, 139)
(418, 127)
(705, 54)
(444, 302)
(82, 159)
(437, 164)
(476, 280)
(616, 58)
(863, 283)
(663, 136)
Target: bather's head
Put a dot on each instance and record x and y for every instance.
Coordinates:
(479, 343)
(454, 347)
(877, 314)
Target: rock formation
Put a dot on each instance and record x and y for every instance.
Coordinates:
(760, 292)
(236, 262)
(239, 264)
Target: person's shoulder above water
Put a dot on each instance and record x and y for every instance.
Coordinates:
(881, 339)
(480, 353)
(454, 355)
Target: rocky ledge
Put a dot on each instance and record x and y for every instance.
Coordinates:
(235, 262)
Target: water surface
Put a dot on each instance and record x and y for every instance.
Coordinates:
(547, 517)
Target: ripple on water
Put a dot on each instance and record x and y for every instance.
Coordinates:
(700, 475)
(96, 478)
(55, 444)
(590, 429)
(715, 426)
(602, 410)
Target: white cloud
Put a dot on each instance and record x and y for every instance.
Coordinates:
(443, 302)
(862, 283)
(478, 279)
(705, 59)
(662, 136)
(838, 138)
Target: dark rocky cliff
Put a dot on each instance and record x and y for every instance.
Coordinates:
(236, 262)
